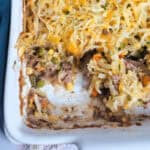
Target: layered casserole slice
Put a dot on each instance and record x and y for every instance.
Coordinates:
(85, 62)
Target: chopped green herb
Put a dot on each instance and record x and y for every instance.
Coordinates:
(128, 97)
(41, 52)
(40, 83)
(66, 12)
(119, 48)
(129, 5)
(122, 46)
(55, 60)
(105, 6)
(140, 102)
(119, 67)
(148, 42)
(59, 67)
(33, 80)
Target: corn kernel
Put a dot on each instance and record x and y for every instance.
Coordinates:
(51, 52)
(69, 86)
(54, 39)
(29, 70)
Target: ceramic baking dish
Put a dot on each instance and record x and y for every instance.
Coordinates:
(90, 138)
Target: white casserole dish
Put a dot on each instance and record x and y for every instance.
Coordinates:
(92, 138)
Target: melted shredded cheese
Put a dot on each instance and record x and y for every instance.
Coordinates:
(78, 26)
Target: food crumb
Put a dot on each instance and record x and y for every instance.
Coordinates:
(138, 123)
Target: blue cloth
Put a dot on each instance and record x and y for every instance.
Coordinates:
(4, 35)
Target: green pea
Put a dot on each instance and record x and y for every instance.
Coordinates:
(41, 52)
(122, 46)
(55, 60)
(40, 83)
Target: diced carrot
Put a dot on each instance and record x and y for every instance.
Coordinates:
(121, 55)
(73, 48)
(97, 57)
(146, 80)
(94, 92)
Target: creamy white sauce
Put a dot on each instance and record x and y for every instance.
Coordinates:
(60, 96)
